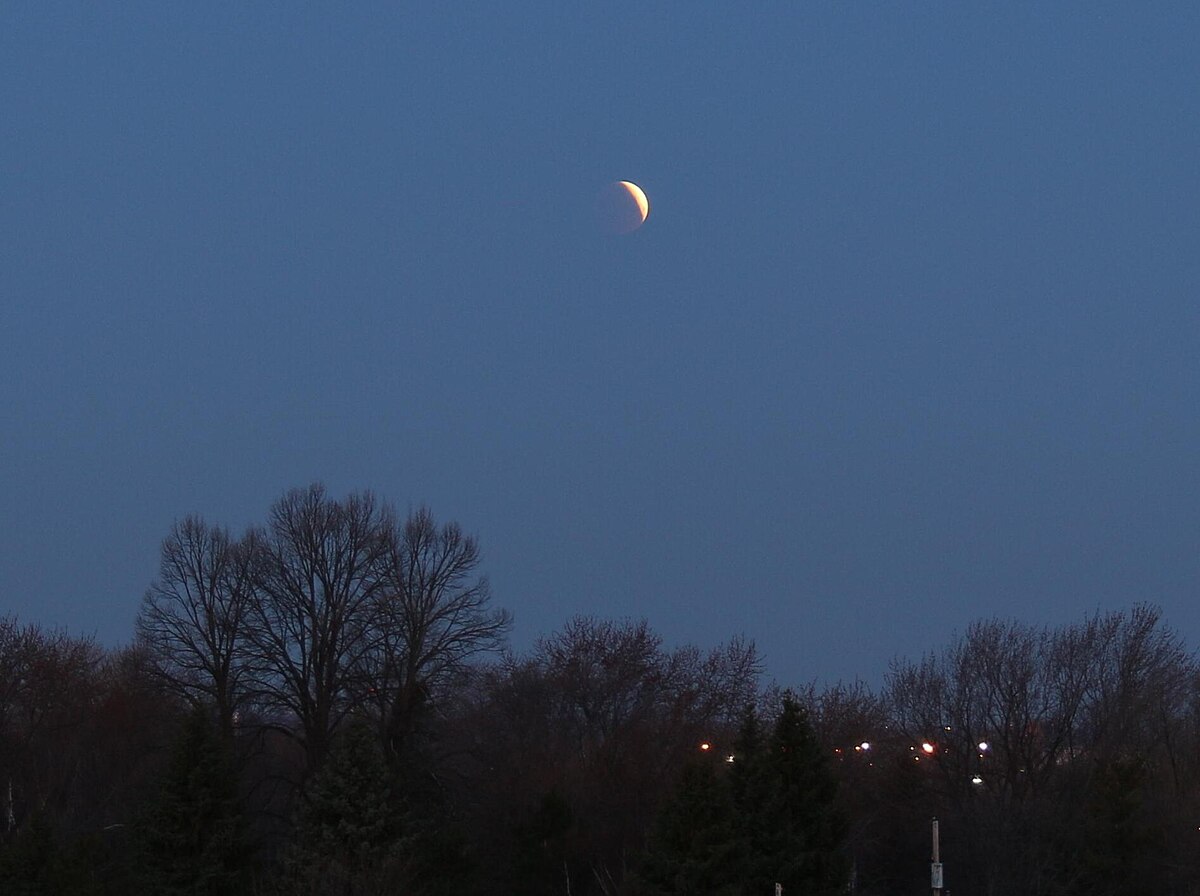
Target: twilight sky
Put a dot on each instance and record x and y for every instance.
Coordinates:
(910, 337)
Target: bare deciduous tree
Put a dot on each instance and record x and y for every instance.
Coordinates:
(329, 608)
(320, 569)
(1138, 687)
(1023, 722)
(50, 684)
(434, 616)
(193, 617)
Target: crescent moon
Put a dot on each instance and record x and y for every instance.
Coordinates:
(639, 197)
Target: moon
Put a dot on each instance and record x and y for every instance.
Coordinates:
(623, 207)
(639, 197)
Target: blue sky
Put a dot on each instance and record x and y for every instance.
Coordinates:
(909, 338)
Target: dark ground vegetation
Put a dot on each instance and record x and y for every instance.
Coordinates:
(326, 704)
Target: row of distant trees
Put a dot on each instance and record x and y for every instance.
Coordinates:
(1063, 760)
(326, 704)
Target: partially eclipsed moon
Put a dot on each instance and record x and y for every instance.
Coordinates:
(639, 197)
(623, 207)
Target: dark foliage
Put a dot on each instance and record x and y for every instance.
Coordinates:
(767, 814)
(353, 735)
(799, 832)
(192, 836)
(351, 835)
(541, 863)
(696, 847)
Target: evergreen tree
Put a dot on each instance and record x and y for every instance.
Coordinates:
(349, 836)
(751, 786)
(768, 817)
(358, 832)
(747, 756)
(694, 848)
(192, 837)
(1123, 850)
(795, 830)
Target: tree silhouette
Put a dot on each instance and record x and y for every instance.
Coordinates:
(319, 570)
(192, 836)
(193, 618)
(801, 832)
(352, 835)
(695, 847)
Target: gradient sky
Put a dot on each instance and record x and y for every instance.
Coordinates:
(910, 337)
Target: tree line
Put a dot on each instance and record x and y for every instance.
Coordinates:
(327, 703)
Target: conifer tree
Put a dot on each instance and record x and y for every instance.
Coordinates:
(349, 831)
(747, 755)
(751, 784)
(1123, 842)
(192, 837)
(797, 832)
(363, 830)
(694, 848)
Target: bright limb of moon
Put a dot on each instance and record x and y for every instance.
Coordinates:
(639, 197)
(621, 207)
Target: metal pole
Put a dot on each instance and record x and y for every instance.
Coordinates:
(935, 869)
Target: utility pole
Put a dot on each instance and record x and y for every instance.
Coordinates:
(935, 869)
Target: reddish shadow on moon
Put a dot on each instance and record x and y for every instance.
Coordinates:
(621, 207)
